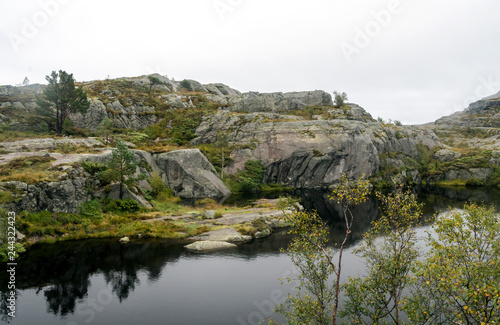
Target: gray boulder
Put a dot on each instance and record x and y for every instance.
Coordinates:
(262, 234)
(190, 175)
(446, 155)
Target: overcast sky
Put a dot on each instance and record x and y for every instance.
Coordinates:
(407, 60)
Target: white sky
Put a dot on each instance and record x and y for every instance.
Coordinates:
(421, 60)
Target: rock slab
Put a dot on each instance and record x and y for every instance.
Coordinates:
(209, 245)
(230, 235)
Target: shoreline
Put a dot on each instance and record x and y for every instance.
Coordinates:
(249, 223)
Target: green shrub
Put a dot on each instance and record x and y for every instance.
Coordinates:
(91, 210)
(339, 99)
(136, 137)
(249, 179)
(186, 85)
(158, 185)
(214, 154)
(6, 197)
(92, 168)
(125, 205)
(317, 153)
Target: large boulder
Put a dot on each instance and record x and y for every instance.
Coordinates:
(190, 175)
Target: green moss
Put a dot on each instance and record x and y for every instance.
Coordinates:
(6, 197)
(317, 153)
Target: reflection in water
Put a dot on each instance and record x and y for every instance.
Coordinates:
(63, 271)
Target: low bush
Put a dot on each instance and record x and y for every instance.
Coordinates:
(120, 206)
(250, 179)
(93, 168)
(91, 210)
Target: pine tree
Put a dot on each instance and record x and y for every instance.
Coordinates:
(121, 167)
(62, 95)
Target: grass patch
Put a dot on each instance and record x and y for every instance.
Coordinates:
(68, 148)
(30, 170)
(452, 183)
(6, 197)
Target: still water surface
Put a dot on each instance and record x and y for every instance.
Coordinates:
(159, 282)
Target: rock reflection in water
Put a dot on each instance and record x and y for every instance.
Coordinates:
(63, 272)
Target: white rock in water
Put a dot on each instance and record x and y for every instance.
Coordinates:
(208, 245)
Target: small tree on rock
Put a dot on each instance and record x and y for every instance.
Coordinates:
(339, 99)
(121, 167)
(153, 81)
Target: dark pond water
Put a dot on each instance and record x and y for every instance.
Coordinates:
(159, 282)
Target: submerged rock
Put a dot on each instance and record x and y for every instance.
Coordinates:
(262, 234)
(209, 245)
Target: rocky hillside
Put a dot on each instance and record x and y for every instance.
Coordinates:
(484, 113)
(471, 145)
(41, 180)
(300, 138)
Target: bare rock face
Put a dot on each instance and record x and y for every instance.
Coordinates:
(131, 116)
(272, 102)
(313, 153)
(482, 113)
(190, 175)
(63, 196)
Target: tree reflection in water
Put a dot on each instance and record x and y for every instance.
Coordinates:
(62, 271)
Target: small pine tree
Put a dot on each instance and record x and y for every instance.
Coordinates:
(121, 167)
